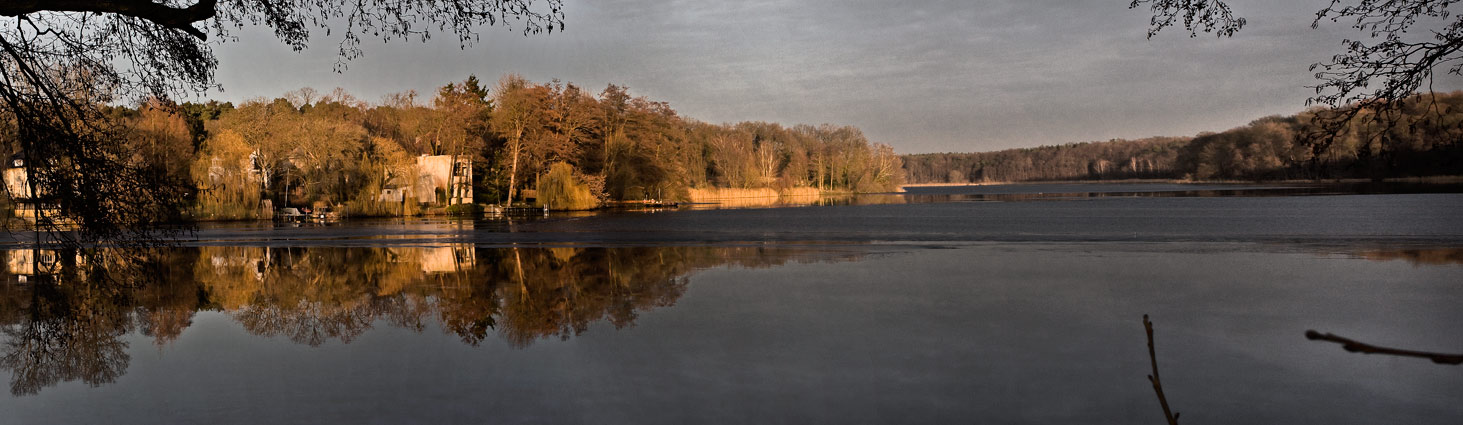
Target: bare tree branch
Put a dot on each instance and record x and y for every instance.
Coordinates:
(1171, 416)
(1364, 348)
(1198, 15)
(161, 14)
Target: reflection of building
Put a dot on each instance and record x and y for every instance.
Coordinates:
(254, 260)
(447, 259)
(25, 264)
(438, 174)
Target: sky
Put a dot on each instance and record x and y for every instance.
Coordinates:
(921, 76)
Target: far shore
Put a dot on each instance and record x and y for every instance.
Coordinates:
(1429, 179)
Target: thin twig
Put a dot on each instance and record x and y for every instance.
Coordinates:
(1173, 418)
(1364, 348)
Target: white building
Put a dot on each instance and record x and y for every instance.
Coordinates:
(436, 173)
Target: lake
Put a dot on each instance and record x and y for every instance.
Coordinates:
(984, 304)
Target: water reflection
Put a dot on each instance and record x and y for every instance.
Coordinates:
(1427, 257)
(801, 201)
(64, 315)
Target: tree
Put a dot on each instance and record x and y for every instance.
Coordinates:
(223, 173)
(517, 115)
(572, 114)
(561, 189)
(325, 144)
(885, 167)
(463, 112)
(61, 59)
(264, 127)
(732, 158)
(162, 137)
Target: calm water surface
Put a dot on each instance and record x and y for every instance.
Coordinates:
(983, 304)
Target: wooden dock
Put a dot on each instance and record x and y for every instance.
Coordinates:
(650, 203)
(518, 211)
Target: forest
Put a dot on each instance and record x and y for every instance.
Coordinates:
(555, 143)
(1422, 138)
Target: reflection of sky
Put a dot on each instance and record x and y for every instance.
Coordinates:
(998, 333)
(943, 75)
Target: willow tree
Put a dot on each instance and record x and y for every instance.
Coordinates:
(61, 59)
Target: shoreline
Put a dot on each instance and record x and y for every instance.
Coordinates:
(1424, 180)
(767, 197)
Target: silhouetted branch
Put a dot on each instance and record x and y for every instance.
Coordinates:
(1198, 15)
(1364, 348)
(179, 18)
(1173, 418)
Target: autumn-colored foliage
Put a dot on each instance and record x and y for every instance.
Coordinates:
(308, 148)
(1423, 137)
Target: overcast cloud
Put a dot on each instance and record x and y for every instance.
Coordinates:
(927, 76)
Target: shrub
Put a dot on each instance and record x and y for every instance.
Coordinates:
(561, 190)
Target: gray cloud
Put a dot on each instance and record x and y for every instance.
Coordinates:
(921, 76)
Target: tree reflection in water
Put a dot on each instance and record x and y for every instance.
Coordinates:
(1431, 256)
(66, 320)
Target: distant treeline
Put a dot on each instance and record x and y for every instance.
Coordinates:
(581, 149)
(1117, 159)
(1422, 138)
